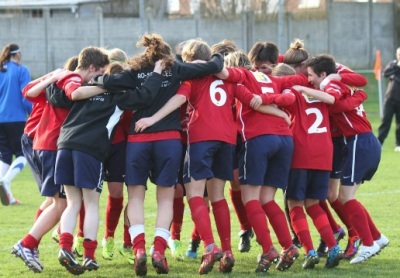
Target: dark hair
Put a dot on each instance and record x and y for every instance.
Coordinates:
(156, 49)
(114, 67)
(92, 55)
(224, 47)
(264, 51)
(6, 54)
(322, 63)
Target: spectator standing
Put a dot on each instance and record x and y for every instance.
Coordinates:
(13, 113)
(392, 101)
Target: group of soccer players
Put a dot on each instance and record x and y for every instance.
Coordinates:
(261, 120)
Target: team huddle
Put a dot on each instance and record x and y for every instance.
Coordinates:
(190, 123)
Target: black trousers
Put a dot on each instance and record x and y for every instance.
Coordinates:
(391, 108)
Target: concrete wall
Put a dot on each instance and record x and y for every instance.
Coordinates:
(352, 32)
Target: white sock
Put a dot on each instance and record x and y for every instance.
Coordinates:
(3, 169)
(16, 166)
(136, 230)
(161, 232)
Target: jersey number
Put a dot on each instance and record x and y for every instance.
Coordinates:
(215, 90)
(315, 127)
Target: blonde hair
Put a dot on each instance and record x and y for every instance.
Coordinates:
(296, 54)
(238, 59)
(283, 70)
(196, 49)
(114, 67)
(224, 47)
(117, 55)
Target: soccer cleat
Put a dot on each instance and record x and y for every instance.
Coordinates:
(352, 247)
(68, 261)
(78, 246)
(244, 242)
(176, 249)
(127, 252)
(287, 258)
(27, 256)
(266, 260)
(3, 195)
(192, 249)
(339, 234)
(55, 235)
(35, 253)
(209, 258)
(334, 257)
(89, 264)
(296, 241)
(140, 265)
(108, 248)
(322, 249)
(365, 252)
(383, 241)
(227, 262)
(15, 202)
(397, 149)
(310, 260)
(159, 263)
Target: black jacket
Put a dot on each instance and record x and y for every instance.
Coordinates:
(392, 72)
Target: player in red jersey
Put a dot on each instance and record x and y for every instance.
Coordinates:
(265, 159)
(296, 57)
(264, 56)
(363, 154)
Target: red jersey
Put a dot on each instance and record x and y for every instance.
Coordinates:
(210, 114)
(312, 139)
(52, 118)
(350, 118)
(39, 103)
(252, 123)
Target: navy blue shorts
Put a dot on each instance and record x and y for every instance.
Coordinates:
(238, 147)
(10, 140)
(265, 160)
(362, 160)
(161, 159)
(79, 169)
(26, 145)
(114, 165)
(339, 154)
(182, 166)
(209, 159)
(307, 184)
(46, 163)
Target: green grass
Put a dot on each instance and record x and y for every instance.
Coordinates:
(380, 196)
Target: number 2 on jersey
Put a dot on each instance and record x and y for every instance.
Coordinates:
(315, 127)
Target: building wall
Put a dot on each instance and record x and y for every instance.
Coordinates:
(352, 32)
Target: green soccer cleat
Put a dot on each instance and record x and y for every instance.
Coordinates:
(78, 246)
(108, 248)
(176, 249)
(127, 252)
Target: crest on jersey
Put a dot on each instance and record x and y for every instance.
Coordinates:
(310, 99)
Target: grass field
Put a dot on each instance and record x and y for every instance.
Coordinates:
(380, 196)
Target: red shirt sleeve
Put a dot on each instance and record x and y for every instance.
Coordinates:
(350, 77)
(349, 102)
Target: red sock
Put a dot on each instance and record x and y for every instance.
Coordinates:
(374, 230)
(138, 242)
(113, 213)
(360, 221)
(201, 219)
(66, 241)
(300, 226)
(81, 220)
(127, 237)
(177, 219)
(89, 248)
(321, 222)
(223, 223)
(160, 245)
(38, 213)
(195, 233)
(344, 217)
(29, 242)
(259, 223)
(236, 198)
(278, 222)
(332, 222)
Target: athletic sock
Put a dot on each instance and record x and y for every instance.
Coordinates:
(127, 237)
(374, 230)
(177, 219)
(321, 222)
(236, 198)
(81, 220)
(201, 218)
(113, 213)
(259, 223)
(66, 241)
(223, 223)
(160, 240)
(29, 242)
(359, 220)
(278, 222)
(300, 226)
(332, 222)
(344, 217)
(89, 248)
